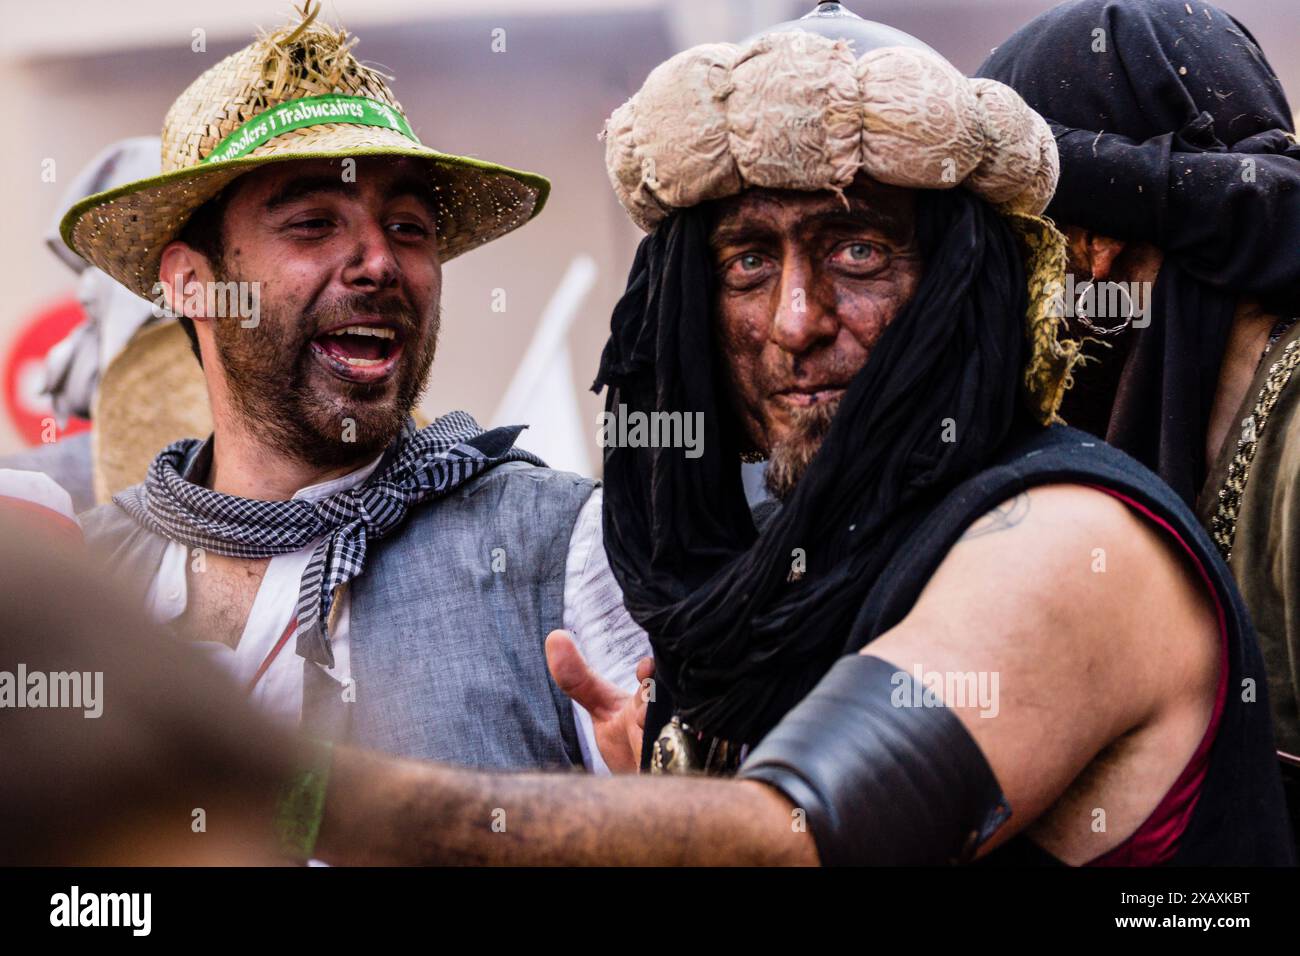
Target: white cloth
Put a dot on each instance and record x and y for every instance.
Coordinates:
(40, 489)
(610, 641)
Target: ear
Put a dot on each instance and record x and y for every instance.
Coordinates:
(182, 272)
(1102, 253)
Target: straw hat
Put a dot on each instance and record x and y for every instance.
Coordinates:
(303, 81)
(131, 424)
(295, 93)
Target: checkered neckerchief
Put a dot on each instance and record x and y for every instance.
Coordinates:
(427, 464)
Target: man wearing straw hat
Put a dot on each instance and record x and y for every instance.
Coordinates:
(375, 582)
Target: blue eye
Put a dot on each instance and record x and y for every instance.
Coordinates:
(745, 270)
(861, 258)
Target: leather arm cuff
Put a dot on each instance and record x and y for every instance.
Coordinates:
(881, 779)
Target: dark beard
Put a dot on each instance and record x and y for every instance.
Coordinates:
(269, 372)
(788, 460)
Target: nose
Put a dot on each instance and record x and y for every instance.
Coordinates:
(372, 265)
(801, 321)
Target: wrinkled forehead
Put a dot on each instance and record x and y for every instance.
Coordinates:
(381, 176)
(866, 203)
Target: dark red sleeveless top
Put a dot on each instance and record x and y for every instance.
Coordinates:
(1226, 808)
(1156, 840)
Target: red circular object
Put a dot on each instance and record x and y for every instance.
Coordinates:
(24, 371)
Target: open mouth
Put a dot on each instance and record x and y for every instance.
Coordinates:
(813, 395)
(361, 352)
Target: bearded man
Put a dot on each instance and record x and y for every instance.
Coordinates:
(1180, 174)
(846, 271)
(363, 579)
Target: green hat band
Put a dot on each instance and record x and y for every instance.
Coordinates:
(308, 111)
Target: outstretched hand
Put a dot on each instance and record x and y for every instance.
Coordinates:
(617, 716)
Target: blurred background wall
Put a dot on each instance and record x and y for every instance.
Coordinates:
(78, 74)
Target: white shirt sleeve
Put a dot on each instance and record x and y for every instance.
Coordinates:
(607, 637)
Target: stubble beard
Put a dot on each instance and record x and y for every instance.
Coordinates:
(788, 460)
(269, 373)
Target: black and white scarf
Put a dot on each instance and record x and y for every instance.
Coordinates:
(421, 466)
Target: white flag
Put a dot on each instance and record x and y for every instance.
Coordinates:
(543, 394)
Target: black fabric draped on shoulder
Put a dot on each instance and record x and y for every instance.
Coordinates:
(736, 642)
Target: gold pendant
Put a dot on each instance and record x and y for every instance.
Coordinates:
(681, 750)
(674, 750)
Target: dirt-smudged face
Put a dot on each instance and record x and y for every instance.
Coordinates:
(350, 282)
(806, 287)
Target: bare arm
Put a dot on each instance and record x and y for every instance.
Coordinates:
(1083, 657)
(1100, 642)
(380, 810)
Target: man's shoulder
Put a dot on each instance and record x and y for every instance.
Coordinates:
(1107, 482)
(1073, 533)
(518, 494)
(1098, 475)
(129, 551)
(526, 511)
(524, 478)
(1069, 521)
(111, 534)
(1092, 526)
(1070, 573)
(106, 522)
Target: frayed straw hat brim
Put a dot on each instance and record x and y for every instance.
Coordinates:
(124, 230)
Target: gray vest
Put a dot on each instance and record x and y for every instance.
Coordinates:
(448, 620)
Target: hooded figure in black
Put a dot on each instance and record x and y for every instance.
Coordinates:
(1178, 157)
(1173, 130)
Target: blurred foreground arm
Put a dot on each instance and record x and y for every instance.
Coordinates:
(383, 811)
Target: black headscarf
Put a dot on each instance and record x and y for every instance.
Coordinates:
(735, 642)
(1172, 129)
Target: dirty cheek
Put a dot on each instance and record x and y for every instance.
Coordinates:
(867, 309)
(864, 314)
(741, 337)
